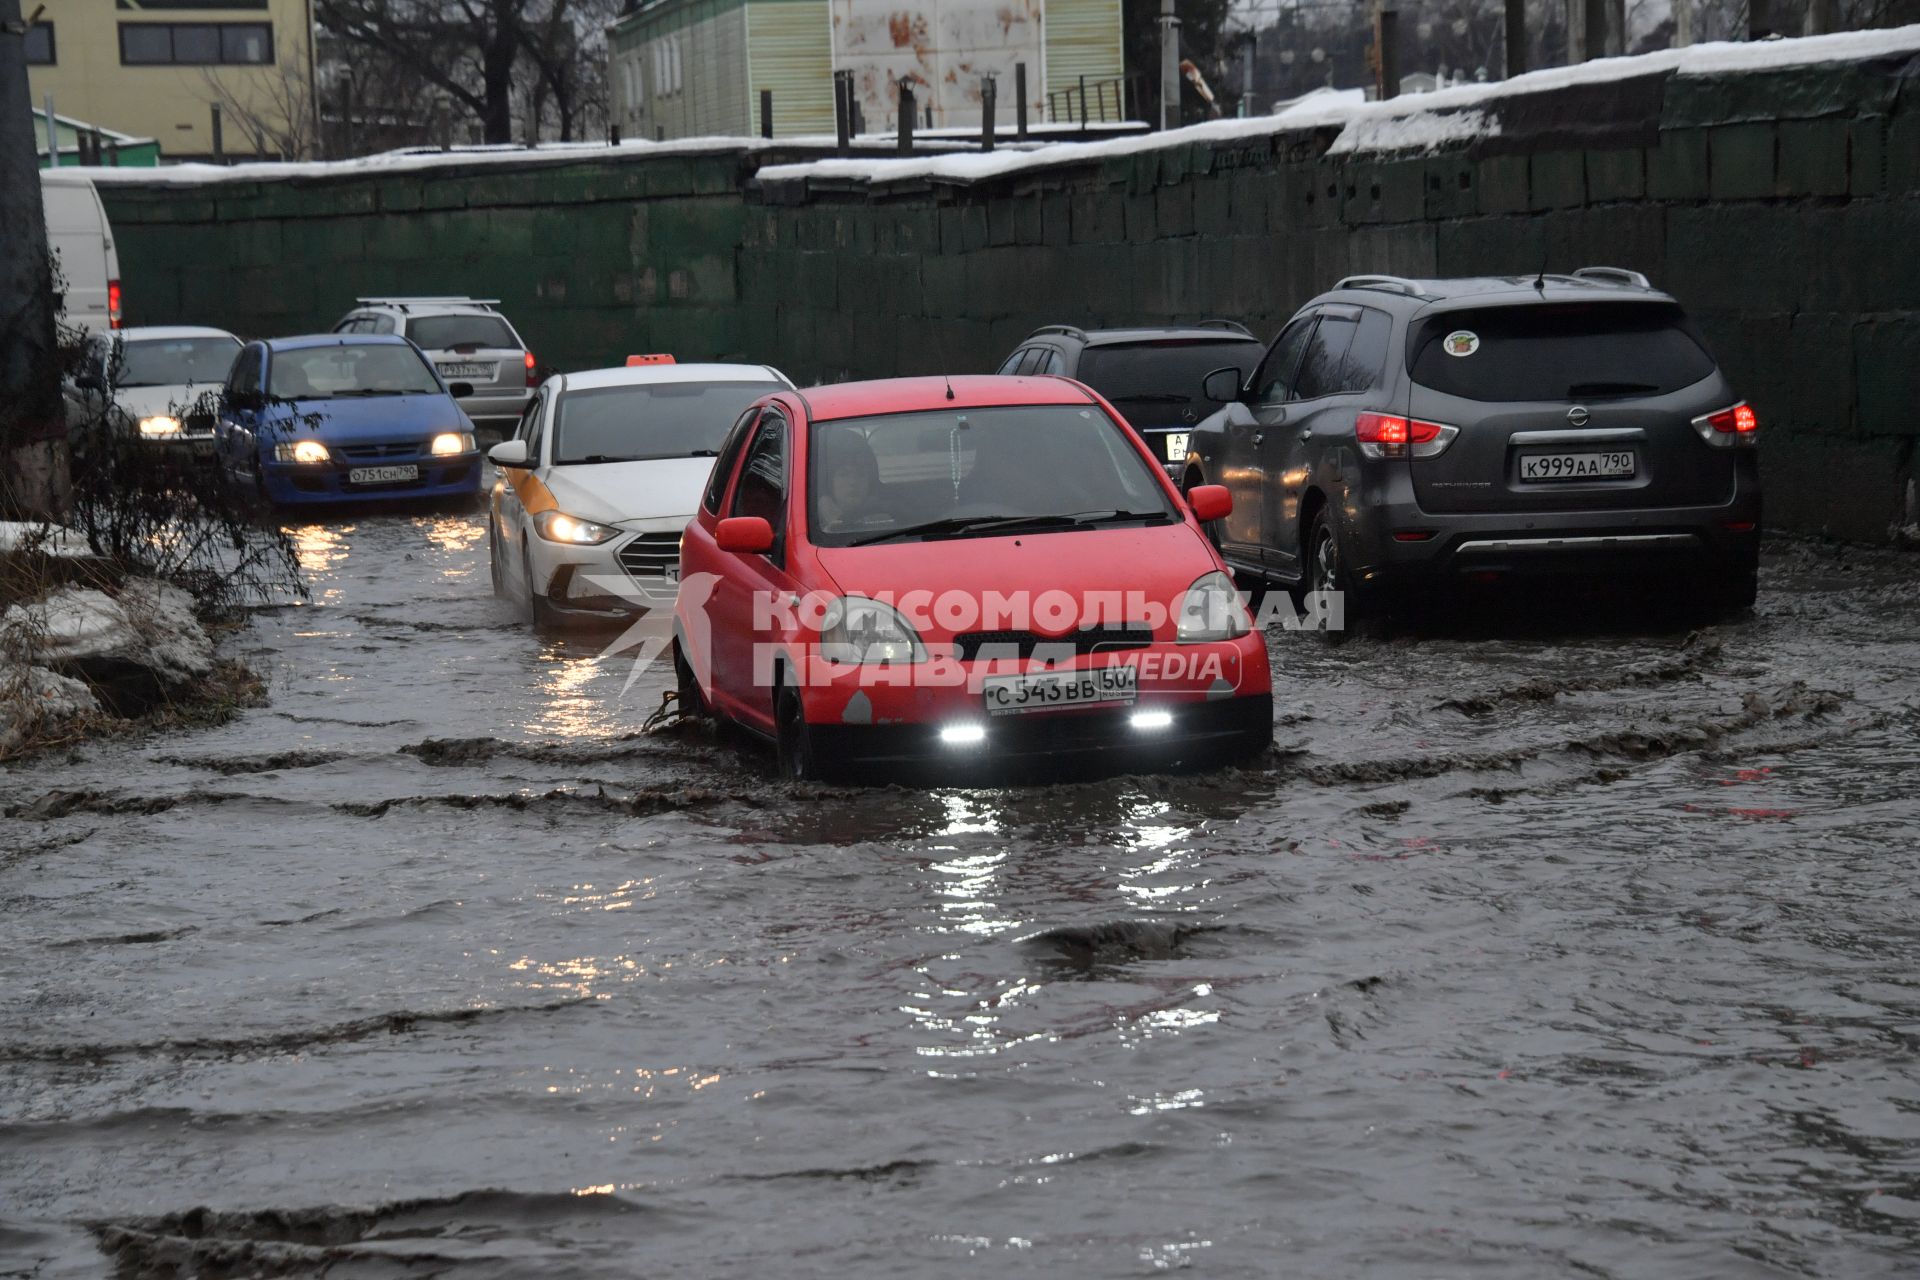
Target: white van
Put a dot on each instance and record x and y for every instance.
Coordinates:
(82, 245)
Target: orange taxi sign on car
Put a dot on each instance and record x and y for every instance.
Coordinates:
(655, 358)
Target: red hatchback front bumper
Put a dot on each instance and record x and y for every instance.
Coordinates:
(1193, 706)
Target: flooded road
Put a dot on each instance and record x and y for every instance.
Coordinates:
(1588, 952)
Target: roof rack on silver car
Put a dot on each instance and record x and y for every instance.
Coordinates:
(1070, 330)
(423, 301)
(1389, 284)
(1613, 275)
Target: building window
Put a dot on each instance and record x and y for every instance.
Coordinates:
(195, 44)
(40, 44)
(666, 66)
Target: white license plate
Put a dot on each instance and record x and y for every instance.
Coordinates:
(1177, 446)
(1576, 466)
(382, 475)
(467, 371)
(1051, 690)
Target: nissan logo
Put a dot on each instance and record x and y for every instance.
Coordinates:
(1577, 415)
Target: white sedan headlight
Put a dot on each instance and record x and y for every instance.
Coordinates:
(859, 630)
(557, 526)
(159, 426)
(303, 451)
(450, 442)
(1212, 610)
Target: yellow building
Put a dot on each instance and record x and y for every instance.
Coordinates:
(159, 68)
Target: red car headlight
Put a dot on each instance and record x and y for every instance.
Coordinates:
(860, 631)
(1212, 610)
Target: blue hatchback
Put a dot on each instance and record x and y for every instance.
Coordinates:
(344, 418)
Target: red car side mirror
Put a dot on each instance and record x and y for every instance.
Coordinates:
(748, 535)
(1210, 502)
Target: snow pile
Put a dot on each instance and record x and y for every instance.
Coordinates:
(34, 700)
(1425, 131)
(45, 539)
(174, 641)
(133, 650)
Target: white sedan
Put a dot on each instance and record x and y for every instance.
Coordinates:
(599, 480)
(155, 381)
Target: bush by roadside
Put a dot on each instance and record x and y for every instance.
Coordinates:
(107, 618)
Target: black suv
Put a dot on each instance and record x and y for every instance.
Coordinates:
(1405, 436)
(1153, 377)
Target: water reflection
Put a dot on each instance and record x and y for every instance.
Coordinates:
(579, 977)
(455, 534)
(571, 705)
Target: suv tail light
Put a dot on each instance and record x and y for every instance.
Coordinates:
(113, 304)
(1382, 435)
(1732, 426)
(533, 379)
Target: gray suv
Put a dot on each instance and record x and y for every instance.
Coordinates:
(1408, 437)
(468, 341)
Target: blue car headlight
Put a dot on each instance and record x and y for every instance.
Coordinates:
(301, 451)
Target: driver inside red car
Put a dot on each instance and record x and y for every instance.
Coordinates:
(850, 498)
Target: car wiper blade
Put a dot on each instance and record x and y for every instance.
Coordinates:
(1152, 397)
(1118, 517)
(960, 526)
(599, 457)
(948, 526)
(703, 453)
(375, 391)
(1609, 388)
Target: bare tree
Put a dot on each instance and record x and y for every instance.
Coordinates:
(33, 454)
(537, 60)
(565, 42)
(275, 106)
(466, 48)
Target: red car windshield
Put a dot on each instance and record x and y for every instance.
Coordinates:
(962, 472)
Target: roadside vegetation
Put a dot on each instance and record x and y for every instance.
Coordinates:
(110, 612)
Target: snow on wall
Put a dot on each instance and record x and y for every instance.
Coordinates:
(1416, 122)
(1421, 122)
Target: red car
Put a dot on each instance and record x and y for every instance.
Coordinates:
(982, 574)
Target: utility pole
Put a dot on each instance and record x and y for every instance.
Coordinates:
(33, 453)
(1169, 66)
(1517, 36)
(1682, 23)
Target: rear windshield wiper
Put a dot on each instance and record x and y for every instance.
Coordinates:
(1609, 388)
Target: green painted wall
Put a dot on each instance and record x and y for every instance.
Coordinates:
(1782, 207)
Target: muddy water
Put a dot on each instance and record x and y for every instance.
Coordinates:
(1533, 950)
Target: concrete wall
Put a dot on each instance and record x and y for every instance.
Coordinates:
(1782, 206)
